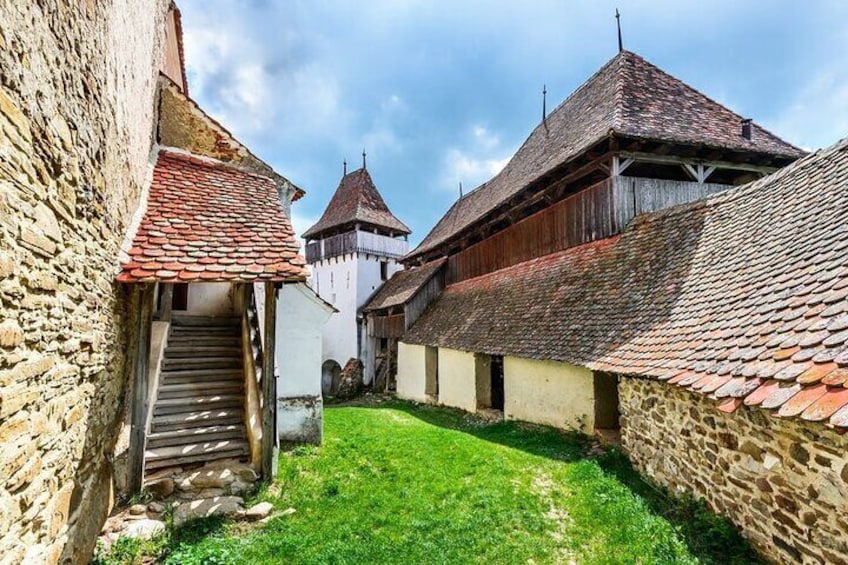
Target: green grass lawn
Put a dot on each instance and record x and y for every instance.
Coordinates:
(400, 483)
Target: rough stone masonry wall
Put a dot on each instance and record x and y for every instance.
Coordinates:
(783, 482)
(77, 89)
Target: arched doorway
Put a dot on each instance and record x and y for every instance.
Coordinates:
(330, 374)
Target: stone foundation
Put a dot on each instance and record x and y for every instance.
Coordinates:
(783, 482)
(77, 112)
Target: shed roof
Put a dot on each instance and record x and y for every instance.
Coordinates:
(628, 97)
(743, 296)
(209, 221)
(403, 285)
(357, 200)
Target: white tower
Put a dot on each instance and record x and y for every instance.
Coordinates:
(352, 251)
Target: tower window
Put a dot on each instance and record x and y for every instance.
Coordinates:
(384, 270)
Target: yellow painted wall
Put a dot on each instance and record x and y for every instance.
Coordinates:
(411, 372)
(549, 392)
(457, 386)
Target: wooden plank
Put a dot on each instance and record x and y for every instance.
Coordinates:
(269, 386)
(167, 301)
(140, 400)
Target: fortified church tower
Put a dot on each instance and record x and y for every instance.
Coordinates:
(352, 250)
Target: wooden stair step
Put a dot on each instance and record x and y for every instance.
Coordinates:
(194, 453)
(205, 321)
(196, 435)
(204, 341)
(225, 373)
(194, 403)
(198, 419)
(182, 351)
(186, 390)
(201, 363)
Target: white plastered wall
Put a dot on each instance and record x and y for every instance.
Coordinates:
(457, 382)
(210, 299)
(549, 392)
(301, 317)
(411, 375)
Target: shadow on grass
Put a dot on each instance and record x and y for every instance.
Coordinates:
(709, 537)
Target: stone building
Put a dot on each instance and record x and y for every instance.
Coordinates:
(650, 265)
(353, 250)
(142, 248)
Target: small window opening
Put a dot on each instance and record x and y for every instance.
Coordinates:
(384, 270)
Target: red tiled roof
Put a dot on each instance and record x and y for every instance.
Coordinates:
(207, 221)
(743, 295)
(403, 285)
(357, 200)
(628, 97)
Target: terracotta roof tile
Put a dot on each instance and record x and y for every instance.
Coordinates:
(628, 97)
(704, 295)
(199, 215)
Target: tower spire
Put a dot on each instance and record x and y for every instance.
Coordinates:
(618, 25)
(363, 157)
(544, 102)
(344, 164)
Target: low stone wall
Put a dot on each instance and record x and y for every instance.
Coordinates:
(783, 482)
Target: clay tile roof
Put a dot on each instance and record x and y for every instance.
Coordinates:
(403, 285)
(209, 221)
(357, 200)
(743, 295)
(628, 97)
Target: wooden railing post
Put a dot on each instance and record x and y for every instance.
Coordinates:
(269, 386)
(135, 455)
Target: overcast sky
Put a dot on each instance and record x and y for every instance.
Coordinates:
(439, 91)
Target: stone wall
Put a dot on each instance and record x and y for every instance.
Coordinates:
(783, 482)
(77, 108)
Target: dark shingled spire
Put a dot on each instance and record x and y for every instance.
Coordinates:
(357, 201)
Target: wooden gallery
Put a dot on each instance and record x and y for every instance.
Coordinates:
(652, 266)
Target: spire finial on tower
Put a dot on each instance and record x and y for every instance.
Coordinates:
(344, 164)
(618, 25)
(544, 102)
(460, 189)
(363, 157)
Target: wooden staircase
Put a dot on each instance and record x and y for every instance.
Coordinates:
(198, 415)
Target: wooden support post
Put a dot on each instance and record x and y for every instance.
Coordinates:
(138, 425)
(269, 387)
(167, 301)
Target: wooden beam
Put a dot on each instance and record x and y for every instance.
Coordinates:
(143, 298)
(167, 301)
(672, 160)
(269, 386)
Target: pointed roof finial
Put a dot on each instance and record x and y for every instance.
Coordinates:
(544, 102)
(344, 164)
(460, 189)
(618, 25)
(363, 157)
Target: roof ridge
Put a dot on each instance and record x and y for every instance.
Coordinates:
(210, 161)
(708, 98)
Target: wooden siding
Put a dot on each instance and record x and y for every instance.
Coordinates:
(172, 65)
(602, 210)
(354, 242)
(387, 326)
(425, 295)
